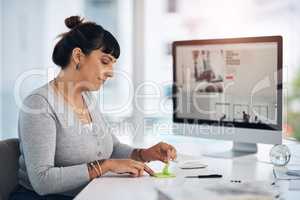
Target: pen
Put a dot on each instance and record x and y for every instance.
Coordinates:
(206, 176)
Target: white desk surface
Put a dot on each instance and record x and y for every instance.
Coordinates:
(247, 169)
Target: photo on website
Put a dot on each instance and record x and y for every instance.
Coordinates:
(227, 82)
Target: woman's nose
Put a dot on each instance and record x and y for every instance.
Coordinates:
(109, 73)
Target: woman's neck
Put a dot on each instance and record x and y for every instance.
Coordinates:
(69, 83)
(70, 87)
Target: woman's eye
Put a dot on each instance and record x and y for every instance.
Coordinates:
(105, 62)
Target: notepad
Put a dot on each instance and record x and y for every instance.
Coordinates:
(192, 164)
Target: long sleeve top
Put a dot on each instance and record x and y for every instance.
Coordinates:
(55, 146)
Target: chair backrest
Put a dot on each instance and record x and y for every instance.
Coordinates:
(9, 165)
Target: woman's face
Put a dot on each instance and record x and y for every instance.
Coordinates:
(95, 69)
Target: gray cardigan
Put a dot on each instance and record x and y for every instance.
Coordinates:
(55, 146)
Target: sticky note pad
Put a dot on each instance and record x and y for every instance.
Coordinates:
(162, 175)
(165, 173)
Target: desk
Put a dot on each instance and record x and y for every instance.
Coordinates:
(248, 168)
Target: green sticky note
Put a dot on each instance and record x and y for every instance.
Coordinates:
(165, 173)
(166, 169)
(162, 175)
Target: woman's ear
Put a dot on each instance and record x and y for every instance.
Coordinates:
(77, 55)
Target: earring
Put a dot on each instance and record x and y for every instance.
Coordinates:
(77, 66)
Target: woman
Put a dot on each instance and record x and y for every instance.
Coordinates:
(64, 141)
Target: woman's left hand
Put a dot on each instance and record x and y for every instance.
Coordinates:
(161, 151)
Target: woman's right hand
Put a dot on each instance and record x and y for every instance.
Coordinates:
(134, 168)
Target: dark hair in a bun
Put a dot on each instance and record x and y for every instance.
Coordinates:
(73, 21)
(87, 36)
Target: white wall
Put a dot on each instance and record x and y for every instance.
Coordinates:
(29, 31)
(22, 36)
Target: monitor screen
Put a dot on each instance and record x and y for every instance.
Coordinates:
(228, 81)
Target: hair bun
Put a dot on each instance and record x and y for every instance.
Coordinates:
(73, 21)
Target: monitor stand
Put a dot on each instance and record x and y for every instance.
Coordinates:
(238, 149)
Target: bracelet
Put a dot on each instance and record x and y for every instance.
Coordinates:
(95, 168)
(99, 167)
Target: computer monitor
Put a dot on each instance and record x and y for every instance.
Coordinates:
(229, 89)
